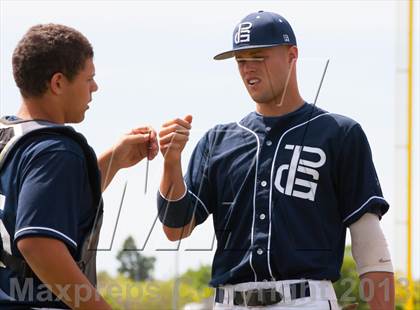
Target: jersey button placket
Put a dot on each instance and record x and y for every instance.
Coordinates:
(262, 197)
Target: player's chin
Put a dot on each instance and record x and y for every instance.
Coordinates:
(75, 119)
(259, 98)
(256, 94)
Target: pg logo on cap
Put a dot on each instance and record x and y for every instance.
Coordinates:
(244, 33)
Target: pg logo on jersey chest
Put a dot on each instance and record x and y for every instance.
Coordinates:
(299, 178)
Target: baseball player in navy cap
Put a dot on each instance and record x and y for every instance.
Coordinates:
(283, 185)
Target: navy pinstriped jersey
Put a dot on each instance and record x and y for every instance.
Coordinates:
(282, 191)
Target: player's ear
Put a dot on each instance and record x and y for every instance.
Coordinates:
(56, 83)
(292, 54)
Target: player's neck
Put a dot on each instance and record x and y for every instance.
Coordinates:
(40, 109)
(279, 108)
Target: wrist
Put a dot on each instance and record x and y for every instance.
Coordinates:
(172, 163)
(113, 164)
(108, 165)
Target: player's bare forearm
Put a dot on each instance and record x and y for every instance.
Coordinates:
(173, 137)
(51, 261)
(172, 185)
(379, 290)
(107, 168)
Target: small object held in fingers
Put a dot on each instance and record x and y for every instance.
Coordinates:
(250, 59)
(149, 147)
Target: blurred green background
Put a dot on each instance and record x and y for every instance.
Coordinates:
(135, 288)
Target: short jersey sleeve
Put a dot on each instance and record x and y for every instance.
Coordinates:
(197, 180)
(359, 190)
(51, 196)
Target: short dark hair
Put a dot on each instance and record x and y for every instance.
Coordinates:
(45, 50)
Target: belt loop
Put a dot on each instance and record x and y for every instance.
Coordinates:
(318, 290)
(280, 288)
(245, 298)
(286, 292)
(226, 298)
(227, 295)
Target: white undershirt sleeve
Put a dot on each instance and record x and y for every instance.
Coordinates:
(369, 246)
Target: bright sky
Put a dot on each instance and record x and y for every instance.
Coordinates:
(154, 62)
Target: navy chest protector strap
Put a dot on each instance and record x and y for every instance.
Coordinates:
(13, 133)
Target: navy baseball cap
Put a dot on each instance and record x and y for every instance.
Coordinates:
(259, 30)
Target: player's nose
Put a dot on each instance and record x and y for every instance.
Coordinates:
(249, 67)
(94, 87)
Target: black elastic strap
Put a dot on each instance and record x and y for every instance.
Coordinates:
(174, 214)
(17, 265)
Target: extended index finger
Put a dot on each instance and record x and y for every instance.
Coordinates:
(178, 121)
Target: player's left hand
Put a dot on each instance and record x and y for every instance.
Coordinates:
(134, 146)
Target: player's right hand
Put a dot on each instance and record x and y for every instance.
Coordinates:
(173, 137)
